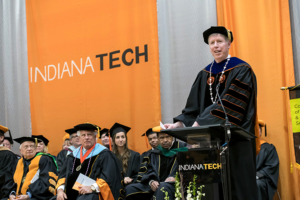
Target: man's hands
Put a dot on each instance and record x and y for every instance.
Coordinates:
(127, 180)
(170, 179)
(195, 124)
(154, 185)
(175, 125)
(85, 189)
(22, 197)
(61, 195)
(12, 197)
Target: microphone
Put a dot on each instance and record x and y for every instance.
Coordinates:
(227, 123)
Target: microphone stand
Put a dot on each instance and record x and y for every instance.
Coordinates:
(225, 157)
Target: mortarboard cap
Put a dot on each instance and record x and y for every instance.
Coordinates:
(217, 29)
(41, 138)
(71, 131)
(3, 129)
(148, 132)
(117, 128)
(26, 139)
(9, 139)
(88, 127)
(105, 130)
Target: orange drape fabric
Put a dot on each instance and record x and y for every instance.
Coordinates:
(93, 61)
(262, 37)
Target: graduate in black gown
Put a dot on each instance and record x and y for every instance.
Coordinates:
(157, 170)
(75, 143)
(153, 141)
(94, 161)
(235, 82)
(35, 175)
(128, 159)
(267, 168)
(8, 161)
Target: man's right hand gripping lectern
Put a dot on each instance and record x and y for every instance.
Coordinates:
(216, 156)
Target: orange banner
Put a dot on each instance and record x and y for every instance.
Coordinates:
(93, 61)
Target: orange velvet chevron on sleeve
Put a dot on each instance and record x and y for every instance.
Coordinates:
(105, 191)
(59, 183)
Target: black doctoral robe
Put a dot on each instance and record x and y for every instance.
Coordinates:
(37, 176)
(7, 165)
(61, 158)
(104, 168)
(267, 169)
(133, 165)
(146, 153)
(156, 167)
(238, 93)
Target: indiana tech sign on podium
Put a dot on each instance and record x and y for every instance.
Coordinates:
(92, 61)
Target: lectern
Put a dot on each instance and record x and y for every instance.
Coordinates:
(214, 156)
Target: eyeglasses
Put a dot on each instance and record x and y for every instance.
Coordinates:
(30, 146)
(74, 136)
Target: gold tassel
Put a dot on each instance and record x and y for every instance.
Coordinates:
(229, 35)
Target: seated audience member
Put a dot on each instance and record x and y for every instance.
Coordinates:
(157, 170)
(105, 139)
(95, 161)
(8, 142)
(8, 161)
(128, 159)
(42, 146)
(153, 141)
(35, 175)
(42, 143)
(75, 143)
(66, 142)
(267, 168)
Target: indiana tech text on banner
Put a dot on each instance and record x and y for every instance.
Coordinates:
(93, 61)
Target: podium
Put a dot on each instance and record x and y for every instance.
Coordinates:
(213, 156)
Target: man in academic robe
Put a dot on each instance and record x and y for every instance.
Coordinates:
(153, 141)
(267, 168)
(94, 161)
(34, 176)
(235, 82)
(157, 171)
(105, 139)
(8, 161)
(75, 143)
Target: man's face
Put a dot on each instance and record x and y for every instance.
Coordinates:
(105, 139)
(7, 144)
(165, 140)
(74, 140)
(28, 150)
(219, 47)
(87, 139)
(153, 140)
(40, 147)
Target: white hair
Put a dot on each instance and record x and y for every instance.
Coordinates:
(20, 146)
(95, 133)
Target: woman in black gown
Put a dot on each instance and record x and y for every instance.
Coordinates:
(128, 159)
